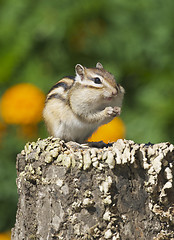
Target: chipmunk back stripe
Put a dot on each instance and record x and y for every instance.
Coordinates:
(62, 84)
(70, 77)
(55, 95)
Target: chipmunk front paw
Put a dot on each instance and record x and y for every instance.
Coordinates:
(113, 112)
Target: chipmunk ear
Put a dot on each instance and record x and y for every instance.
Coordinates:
(99, 65)
(80, 71)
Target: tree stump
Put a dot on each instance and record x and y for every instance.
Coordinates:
(123, 191)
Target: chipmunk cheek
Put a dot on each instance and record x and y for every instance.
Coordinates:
(108, 96)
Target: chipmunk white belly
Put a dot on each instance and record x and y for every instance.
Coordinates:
(75, 130)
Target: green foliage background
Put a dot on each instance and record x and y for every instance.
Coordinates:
(41, 41)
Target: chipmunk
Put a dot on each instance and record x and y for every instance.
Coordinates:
(76, 106)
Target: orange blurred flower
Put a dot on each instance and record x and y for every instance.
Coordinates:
(28, 131)
(5, 236)
(110, 132)
(22, 104)
(2, 128)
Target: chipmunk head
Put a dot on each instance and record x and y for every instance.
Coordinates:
(100, 79)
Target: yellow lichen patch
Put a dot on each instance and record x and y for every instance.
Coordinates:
(22, 104)
(110, 132)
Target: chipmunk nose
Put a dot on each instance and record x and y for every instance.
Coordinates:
(114, 92)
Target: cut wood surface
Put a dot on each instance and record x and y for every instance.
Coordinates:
(123, 191)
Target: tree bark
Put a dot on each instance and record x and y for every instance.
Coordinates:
(123, 191)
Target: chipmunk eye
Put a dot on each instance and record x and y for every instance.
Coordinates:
(97, 80)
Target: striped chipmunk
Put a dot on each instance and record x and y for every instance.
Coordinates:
(76, 106)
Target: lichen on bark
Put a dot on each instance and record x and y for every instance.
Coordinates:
(122, 191)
